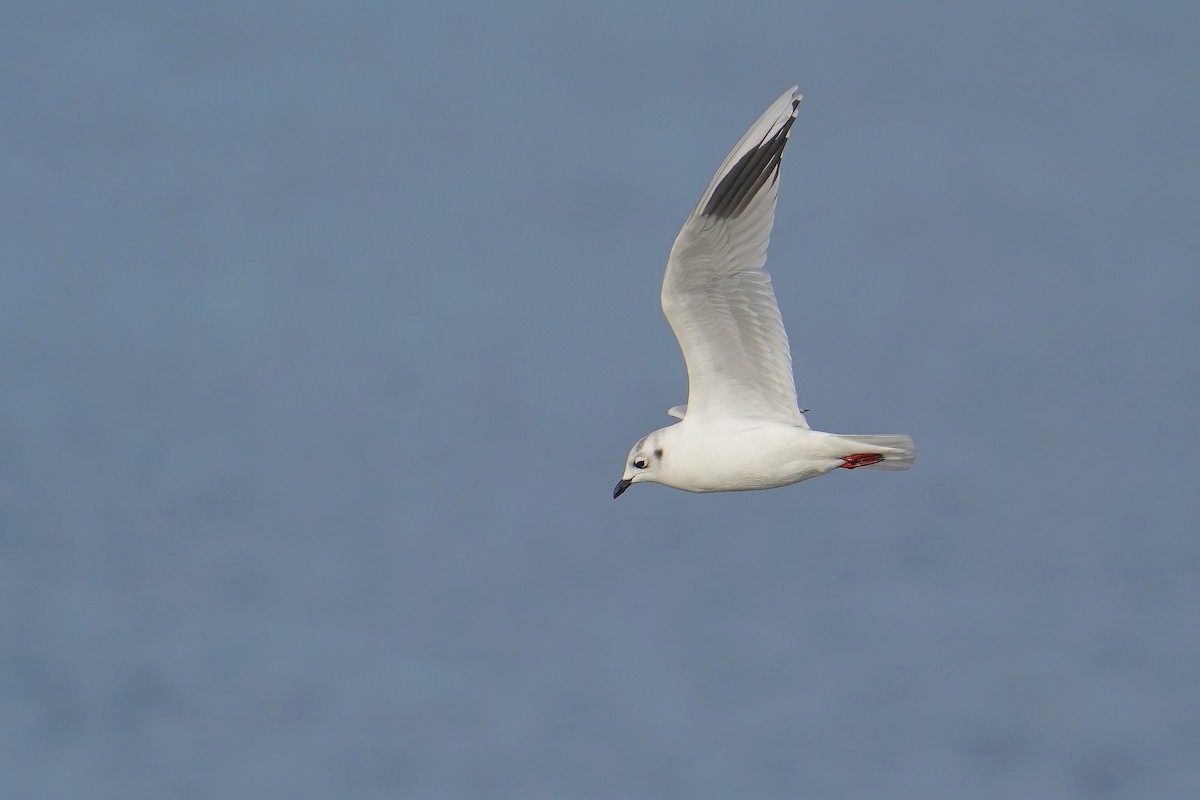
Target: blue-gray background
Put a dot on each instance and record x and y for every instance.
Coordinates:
(325, 329)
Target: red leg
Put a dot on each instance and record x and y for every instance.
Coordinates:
(861, 460)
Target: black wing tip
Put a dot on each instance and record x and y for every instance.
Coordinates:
(797, 96)
(751, 172)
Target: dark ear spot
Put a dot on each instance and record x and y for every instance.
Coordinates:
(658, 453)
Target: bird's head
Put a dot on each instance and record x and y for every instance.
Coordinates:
(645, 462)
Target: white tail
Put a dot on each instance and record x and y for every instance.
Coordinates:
(897, 449)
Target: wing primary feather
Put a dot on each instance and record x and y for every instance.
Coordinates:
(731, 188)
(751, 172)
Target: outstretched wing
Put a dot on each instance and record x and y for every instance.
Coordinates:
(718, 297)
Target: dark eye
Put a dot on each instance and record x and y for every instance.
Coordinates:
(640, 463)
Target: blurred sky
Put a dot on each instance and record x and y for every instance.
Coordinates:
(325, 329)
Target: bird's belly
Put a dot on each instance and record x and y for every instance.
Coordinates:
(759, 459)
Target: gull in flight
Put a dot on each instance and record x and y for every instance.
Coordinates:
(741, 428)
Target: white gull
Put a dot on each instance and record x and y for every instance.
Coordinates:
(741, 428)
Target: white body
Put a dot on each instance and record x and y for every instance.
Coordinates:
(742, 428)
(741, 455)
